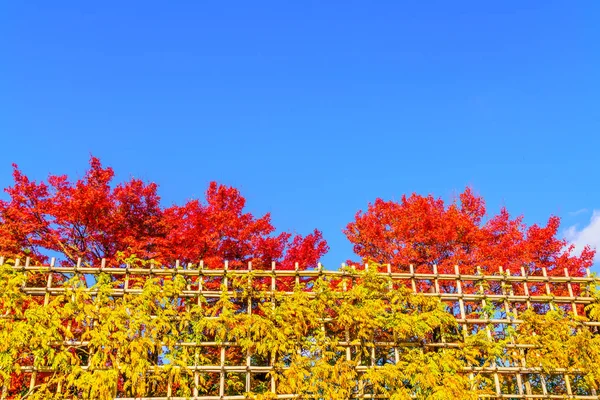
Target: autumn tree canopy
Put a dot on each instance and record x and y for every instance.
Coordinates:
(92, 219)
(423, 230)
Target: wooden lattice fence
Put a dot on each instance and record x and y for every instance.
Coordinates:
(490, 303)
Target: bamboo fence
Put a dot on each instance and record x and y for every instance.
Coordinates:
(506, 293)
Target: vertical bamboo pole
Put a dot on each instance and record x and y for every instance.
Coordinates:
(34, 370)
(526, 287)
(391, 288)
(272, 360)
(389, 272)
(47, 301)
(224, 289)
(589, 275)
(225, 281)
(436, 288)
(394, 337)
(528, 391)
(49, 283)
(346, 328)
(507, 305)
(412, 278)
(188, 279)
(463, 314)
(249, 312)
(570, 289)
(4, 393)
(548, 293)
(170, 386)
(361, 387)
(372, 350)
(568, 386)
(436, 283)
(547, 285)
(126, 284)
(574, 310)
(196, 344)
(489, 333)
(461, 302)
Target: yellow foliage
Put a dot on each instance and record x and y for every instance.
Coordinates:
(320, 340)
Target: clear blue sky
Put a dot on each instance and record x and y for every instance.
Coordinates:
(312, 109)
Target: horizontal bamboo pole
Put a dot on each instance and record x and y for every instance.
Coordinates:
(302, 273)
(369, 396)
(366, 396)
(359, 368)
(78, 343)
(41, 291)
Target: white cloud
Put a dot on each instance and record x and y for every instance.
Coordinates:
(588, 235)
(580, 211)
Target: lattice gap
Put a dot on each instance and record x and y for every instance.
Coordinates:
(504, 292)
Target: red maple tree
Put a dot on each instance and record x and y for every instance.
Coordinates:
(423, 231)
(91, 219)
(221, 230)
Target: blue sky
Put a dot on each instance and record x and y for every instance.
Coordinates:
(313, 109)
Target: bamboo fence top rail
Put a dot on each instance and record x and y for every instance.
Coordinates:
(165, 271)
